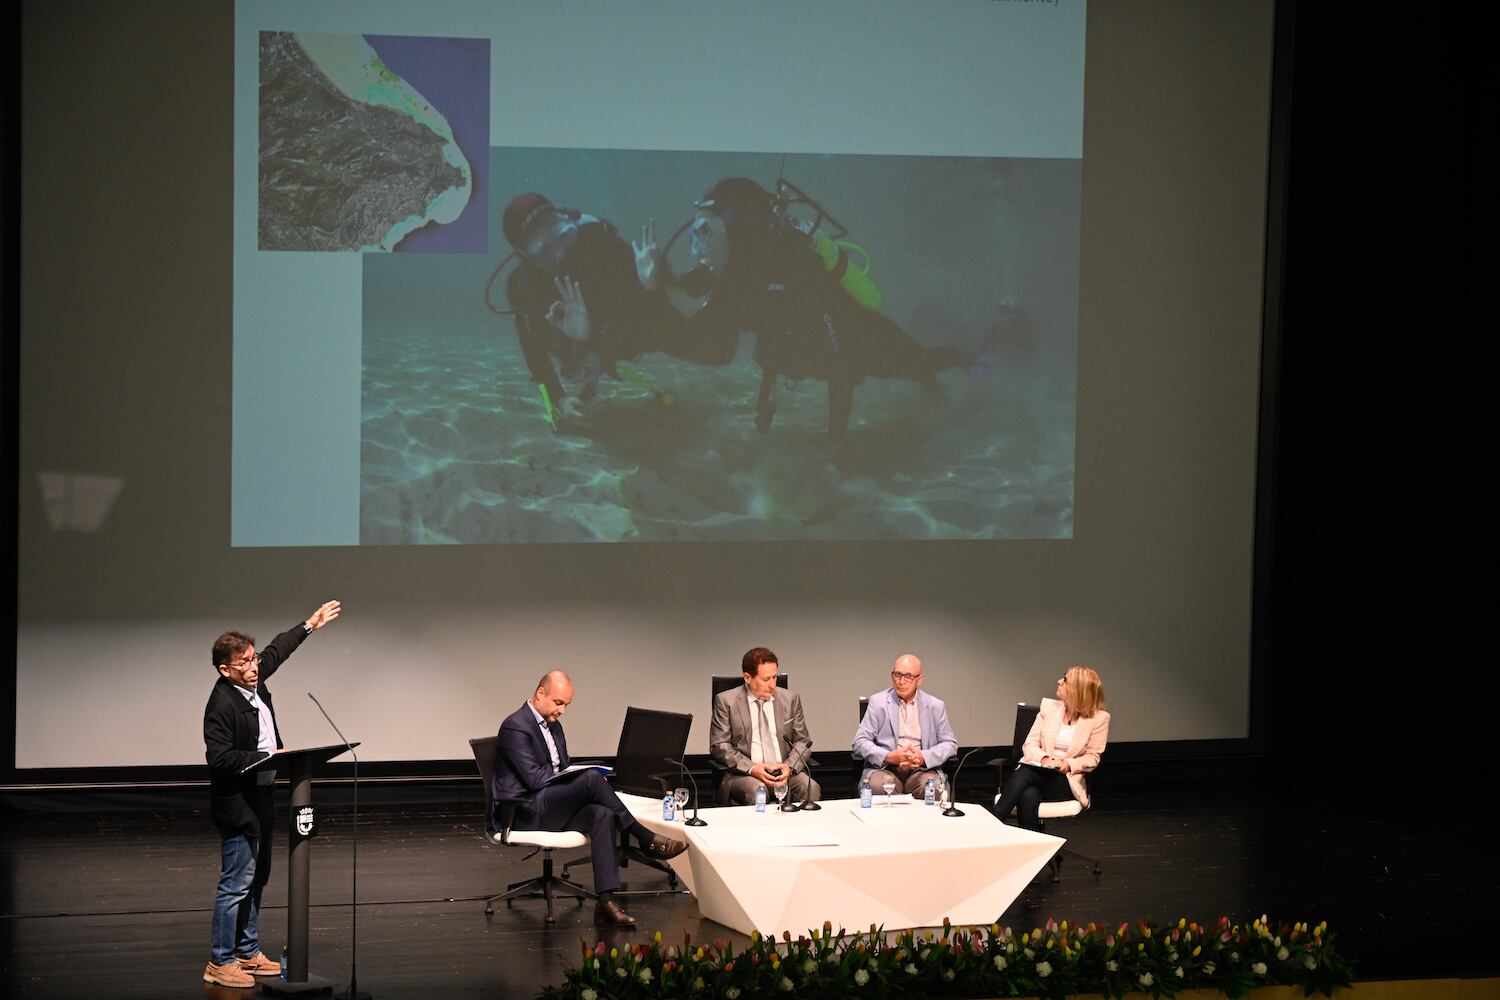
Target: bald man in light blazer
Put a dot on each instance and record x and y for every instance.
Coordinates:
(734, 736)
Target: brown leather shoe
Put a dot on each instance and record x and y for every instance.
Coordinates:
(228, 974)
(611, 914)
(260, 965)
(664, 848)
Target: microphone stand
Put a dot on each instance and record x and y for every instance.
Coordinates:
(353, 992)
(695, 821)
(953, 809)
(809, 805)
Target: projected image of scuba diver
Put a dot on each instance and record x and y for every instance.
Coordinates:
(813, 310)
(587, 300)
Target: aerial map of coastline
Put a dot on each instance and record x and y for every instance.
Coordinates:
(353, 155)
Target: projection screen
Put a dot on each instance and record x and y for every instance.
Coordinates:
(269, 358)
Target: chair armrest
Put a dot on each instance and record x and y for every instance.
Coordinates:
(505, 817)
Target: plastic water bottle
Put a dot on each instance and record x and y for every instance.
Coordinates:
(760, 798)
(866, 796)
(283, 961)
(668, 807)
(929, 794)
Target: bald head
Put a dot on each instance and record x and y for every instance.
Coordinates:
(554, 693)
(906, 675)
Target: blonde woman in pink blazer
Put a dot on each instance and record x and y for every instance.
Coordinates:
(1064, 744)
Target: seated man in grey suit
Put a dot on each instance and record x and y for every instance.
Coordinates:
(759, 736)
(905, 732)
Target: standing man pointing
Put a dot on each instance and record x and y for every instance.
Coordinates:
(239, 729)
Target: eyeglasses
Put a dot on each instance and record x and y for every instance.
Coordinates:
(895, 676)
(242, 664)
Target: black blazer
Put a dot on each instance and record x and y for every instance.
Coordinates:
(231, 737)
(522, 763)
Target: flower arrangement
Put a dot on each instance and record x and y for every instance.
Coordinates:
(1052, 961)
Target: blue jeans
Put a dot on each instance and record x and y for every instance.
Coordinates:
(245, 868)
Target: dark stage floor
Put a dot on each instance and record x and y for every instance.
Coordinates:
(109, 895)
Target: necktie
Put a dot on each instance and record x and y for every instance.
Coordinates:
(767, 736)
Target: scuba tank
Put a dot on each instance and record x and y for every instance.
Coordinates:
(853, 278)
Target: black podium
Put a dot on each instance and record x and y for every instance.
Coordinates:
(297, 766)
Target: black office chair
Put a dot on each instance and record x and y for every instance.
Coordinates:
(1004, 766)
(647, 738)
(498, 830)
(718, 684)
(855, 761)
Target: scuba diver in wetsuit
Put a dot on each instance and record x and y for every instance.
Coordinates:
(586, 297)
(760, 272)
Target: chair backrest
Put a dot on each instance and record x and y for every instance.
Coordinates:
(484, 757)
(864, 706)
(1025, 716)
(721, 683)
(647, 738)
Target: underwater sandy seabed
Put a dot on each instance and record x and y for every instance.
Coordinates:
(454, 449)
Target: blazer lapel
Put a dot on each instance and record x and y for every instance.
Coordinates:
(556, 729)
(739, 711)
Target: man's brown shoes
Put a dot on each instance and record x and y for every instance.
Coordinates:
(664, 848)
(610, 914)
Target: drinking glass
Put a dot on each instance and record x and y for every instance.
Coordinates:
(942, 792)
(681, 795)
(780, 791)
(890, 786)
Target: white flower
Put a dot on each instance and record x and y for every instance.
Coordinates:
(810, 966)
(587, 994)
(1208, 968)
(999, 963)
(948, 975)
(698, 983)
(621, 972)
(1178, 971)
(1282, 953)
(1234, 956)
(785, 985)
(1028, 953)
(1010, 947)
(644, 975)
(1146, 979)
(1277, 941)
(1259, 968)
(1310, 962)
(1112, 965)
(911, 969)
(732, 993)
(831, 959)
(1043, 969)
(925, 953)
(860, 977)
(1172, 957)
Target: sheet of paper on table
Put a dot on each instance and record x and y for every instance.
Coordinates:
(767, 836)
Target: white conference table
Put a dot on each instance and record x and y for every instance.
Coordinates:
(898, 866)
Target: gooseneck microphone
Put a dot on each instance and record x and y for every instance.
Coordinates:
(809, 805)
(695, 821)
(353, 992)
(953, 809)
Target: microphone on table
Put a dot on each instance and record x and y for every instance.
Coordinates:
(695, 821)
(953, 809)
(808, 806)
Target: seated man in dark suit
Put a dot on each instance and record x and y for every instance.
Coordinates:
(742, 716)
(530, 754)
